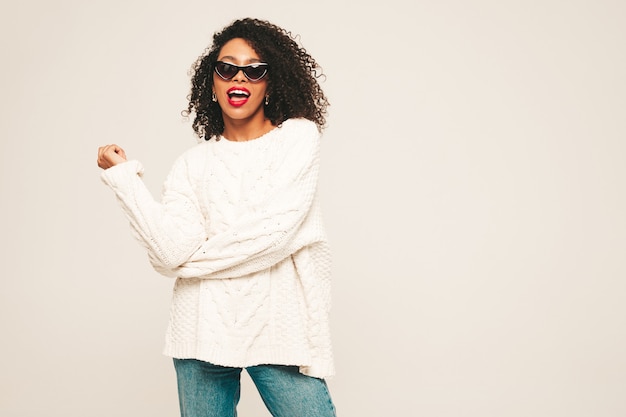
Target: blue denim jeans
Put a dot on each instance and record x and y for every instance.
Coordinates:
(207, 390)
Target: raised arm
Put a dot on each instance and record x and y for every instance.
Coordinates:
(171, 230)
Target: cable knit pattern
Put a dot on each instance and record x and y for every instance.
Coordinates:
(240, 227)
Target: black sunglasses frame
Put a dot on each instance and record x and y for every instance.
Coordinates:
(244, 68)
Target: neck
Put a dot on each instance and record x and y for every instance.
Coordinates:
(244, 130)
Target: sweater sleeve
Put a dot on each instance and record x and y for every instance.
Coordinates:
(270, 231)
(171, 230)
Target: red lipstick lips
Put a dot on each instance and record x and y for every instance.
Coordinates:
(238, 96)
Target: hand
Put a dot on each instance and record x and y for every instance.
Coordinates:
(110, 155)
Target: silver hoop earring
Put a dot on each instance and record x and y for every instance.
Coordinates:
(213, 97)
(267, 99)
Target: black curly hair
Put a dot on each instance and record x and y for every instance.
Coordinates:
(292, 79)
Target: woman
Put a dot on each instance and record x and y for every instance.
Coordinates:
(239, 226)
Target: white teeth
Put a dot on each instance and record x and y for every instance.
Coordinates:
(239, 92)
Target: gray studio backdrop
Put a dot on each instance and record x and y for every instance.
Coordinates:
(473, 182)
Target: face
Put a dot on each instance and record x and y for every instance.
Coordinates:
(240, 99)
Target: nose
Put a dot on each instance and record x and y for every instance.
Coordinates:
(240, 76)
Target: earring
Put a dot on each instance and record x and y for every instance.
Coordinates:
(267, 99)
(214, 97)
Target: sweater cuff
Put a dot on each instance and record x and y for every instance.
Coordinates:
(120, 173)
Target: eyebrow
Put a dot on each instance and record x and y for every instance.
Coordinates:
(232, 58)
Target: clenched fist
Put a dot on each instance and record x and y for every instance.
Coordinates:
(110, 155)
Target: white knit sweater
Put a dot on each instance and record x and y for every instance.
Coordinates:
(240, 227)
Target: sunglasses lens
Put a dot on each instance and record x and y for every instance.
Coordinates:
(255, 72)
(225, 70)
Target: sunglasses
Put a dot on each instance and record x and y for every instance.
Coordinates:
(253, 72)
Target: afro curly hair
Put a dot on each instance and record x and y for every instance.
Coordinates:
(292, 81)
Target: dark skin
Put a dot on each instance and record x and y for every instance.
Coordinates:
(110, 155)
